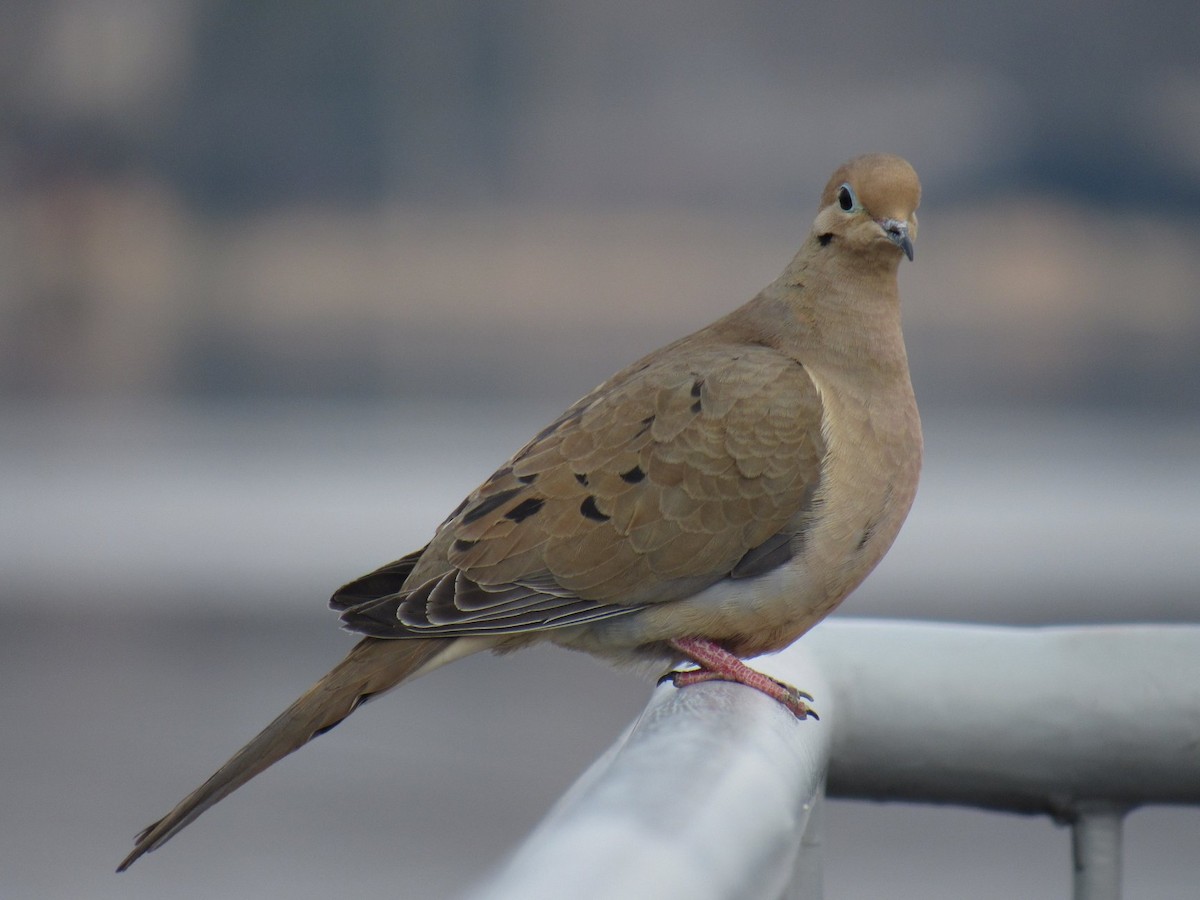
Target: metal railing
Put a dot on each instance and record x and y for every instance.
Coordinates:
(715, 791)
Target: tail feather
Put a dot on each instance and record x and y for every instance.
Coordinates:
(371, 667)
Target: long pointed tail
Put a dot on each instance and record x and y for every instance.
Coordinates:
(371, 667)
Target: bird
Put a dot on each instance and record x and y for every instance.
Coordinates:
(707, 504)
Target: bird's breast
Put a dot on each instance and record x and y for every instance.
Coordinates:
(869, 479)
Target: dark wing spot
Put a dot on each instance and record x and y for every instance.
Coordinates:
(525, 509)
(461, 546)
(696, 387)
(825, 239)
(457, 510)
(646, 425)
(527, 479)
(634, 475)
(581, 478)
(486, 505)
(566, 418)
(696, 407)
(590, 510)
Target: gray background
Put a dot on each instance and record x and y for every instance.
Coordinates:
(279, 286)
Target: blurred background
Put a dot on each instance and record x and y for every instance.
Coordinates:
(280, 283)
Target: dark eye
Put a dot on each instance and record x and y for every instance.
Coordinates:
(846, 198)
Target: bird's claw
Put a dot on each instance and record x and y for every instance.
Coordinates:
(794, 699)
(668, 676)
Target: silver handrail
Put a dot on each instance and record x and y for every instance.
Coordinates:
(710, 793)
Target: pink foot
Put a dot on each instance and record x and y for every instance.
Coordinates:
(718, 664)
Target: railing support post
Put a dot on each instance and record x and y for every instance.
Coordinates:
(1096, 852)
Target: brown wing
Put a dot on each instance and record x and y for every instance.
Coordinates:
(655, 485)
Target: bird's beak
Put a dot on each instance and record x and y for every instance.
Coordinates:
(897, 232)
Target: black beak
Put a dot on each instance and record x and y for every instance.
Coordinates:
(897, 233)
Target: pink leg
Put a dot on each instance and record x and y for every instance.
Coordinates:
(718, 664)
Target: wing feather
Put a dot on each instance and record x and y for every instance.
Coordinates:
(670, 477)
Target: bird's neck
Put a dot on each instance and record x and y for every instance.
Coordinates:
(835, 314)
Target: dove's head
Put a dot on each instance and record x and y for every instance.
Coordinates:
(870, 205)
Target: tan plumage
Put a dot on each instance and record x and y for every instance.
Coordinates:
(711, 501)
(373, 666)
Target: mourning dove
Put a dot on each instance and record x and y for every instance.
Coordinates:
(710, 502)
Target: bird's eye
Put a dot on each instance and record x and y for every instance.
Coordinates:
(846, 198)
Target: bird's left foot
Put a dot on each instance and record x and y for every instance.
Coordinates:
(718, 664)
